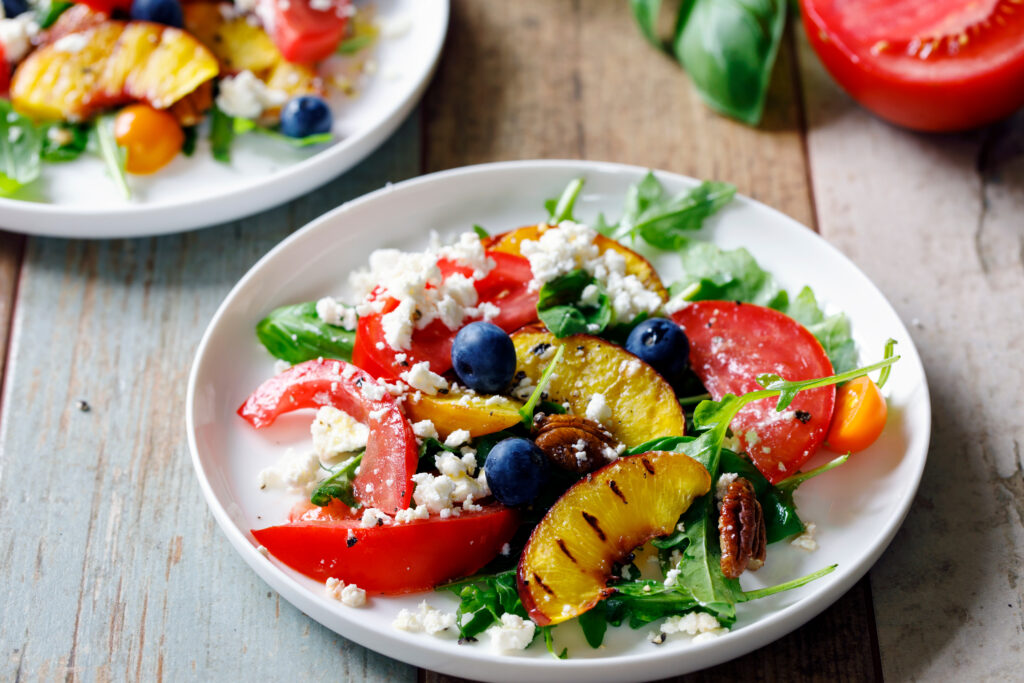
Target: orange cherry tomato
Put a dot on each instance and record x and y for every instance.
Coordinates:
(152, 137)
(859, 417)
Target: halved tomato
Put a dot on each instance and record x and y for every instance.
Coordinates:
(394, 558)
(304, 34)
(933, 65)
(385, 475)
(730, 345)
(507, 286)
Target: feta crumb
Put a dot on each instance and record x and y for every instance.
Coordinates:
(350, 595)
(425, 619)
(16, 35)
(280, 366)
(806, 541)
(295, 472)
(506, 549)
(332, 312)
(597, 409)
(411, 514)
(722, 486)
(246, 96)
(513, 633)
(420, 377)
(457, 438)
(373, 517)
(424, 429)
(672, 577)
(691, 623)
(335, 433)
(72, 42)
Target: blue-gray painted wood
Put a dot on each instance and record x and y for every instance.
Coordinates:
(112, 566)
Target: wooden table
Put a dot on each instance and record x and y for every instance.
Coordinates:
(113, 569)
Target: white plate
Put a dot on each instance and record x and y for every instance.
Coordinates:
(857, 508)
(78, 199)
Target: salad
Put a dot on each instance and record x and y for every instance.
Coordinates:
(536, 423)
(138, 82)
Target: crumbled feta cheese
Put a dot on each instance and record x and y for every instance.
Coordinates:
(350, 595)
(722, 486)
(335, 433)
(456, 483)
(16, 35)
(373, 517)
(805, 541)
(513, 633)
(597, 409)
(672, 577)
(420, 377)
(295, 472)
(72, 42)
(457, 438)
(506, 549)
(424, 429)
(691, 623)
(411, 514)
(425, 619)
(332, 312)
(374, 391)
(321, 5)
(246, 96)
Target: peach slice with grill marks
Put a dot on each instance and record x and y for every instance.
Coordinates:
(456, 410)
(565, 567)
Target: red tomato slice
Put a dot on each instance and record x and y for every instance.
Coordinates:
(107, 6)
(730, 345)
(507, 286)
(936, 65)
(395, 558)
(304, 34)
(385, 475)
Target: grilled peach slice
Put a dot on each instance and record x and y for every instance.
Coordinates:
(478, 414)
(635, 263)
(112, 63)
(641, 404)
(565, 567)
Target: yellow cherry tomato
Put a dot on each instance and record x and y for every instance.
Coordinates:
(151, 137)
(859, 416)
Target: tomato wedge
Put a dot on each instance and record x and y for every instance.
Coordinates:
(507, 286)
(730, 345)
(934, 65)
(304, 34)
(395, 558)
(385, 476)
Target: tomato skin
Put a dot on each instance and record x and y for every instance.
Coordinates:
(394, 558)
(730, 345)
(860, 416)
(106, 6)
(303, 34)
(894, 85)
(507, 286)
(391, 450)
(151, 137)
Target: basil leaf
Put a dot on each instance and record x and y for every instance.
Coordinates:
(20, 147)
(63, 141)
(560, 308)
(222, 134)
(296, 334)
(728, 47)
(646, 14)
(339, 485)
(113, 154)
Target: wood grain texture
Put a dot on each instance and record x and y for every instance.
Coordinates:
(12, 248)
(565, 79)
(936, 222)
(113, 566)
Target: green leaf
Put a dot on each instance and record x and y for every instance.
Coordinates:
(645, 601)
(791, 483)
(296, 334)
(188, 146)
(560, 308)
(47, 11)
(20, 149)
(482, 601)
(728, 47)
(594, 623)
(646, 14)
(480, 232)
(242, 126)
(526, 412)
(883, 377)
(222, 134)
(549, 643)
(664, 224)
(788, 585)
(352, 45)
(339, 485)
(63, 141)
(561, 209)
(113, 154)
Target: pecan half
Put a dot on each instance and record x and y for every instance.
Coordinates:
(741, 530)
(574, 443)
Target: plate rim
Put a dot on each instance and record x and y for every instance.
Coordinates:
(165, 217)
(637, 666)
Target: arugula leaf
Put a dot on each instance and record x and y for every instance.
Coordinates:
(339, 485)
(188, 146)
(113, 154)
(222, 134)
(63, 141)
(481, 232)
(482, 601)
(296, 334)
(788, 585)
(833, 331)
(352, 45)
(560, 209)
(594, 623)
(728, 47)
(645, 601)
(20, 147)
(241, 126)
(646, 14)
(883, 376)
(560, 306)
(526, 412)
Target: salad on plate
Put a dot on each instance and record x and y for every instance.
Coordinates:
(536, 423)
(139, 82)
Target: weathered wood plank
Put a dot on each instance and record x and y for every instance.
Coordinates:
(12, 247)
(565, 79)
(936, 222)
(113, 567)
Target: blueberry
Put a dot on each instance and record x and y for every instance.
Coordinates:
(304, 116)
(13, 8)
(484, 357)
(166, 12)
(516, 471)
(662, 344)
